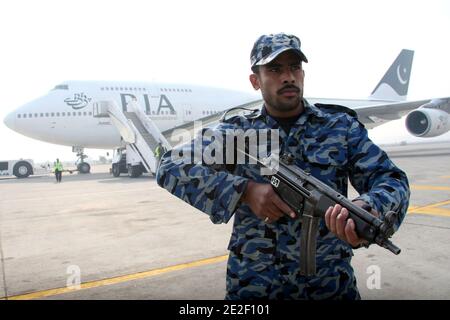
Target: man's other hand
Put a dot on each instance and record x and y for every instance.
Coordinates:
(337, 222)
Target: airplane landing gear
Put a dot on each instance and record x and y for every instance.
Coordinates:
(82, 166)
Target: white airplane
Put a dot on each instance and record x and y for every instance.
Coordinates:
(66, 115)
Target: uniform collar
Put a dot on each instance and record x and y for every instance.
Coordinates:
(310, 110)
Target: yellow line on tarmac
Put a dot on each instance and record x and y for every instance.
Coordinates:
(119, 279)
(426, 187)
(432, 209)
(437, 204)
(429, 209)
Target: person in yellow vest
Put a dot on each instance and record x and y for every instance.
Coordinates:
(159, 151)
(58, 169)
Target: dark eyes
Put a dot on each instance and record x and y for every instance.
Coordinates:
(295, 67)
(274, 69)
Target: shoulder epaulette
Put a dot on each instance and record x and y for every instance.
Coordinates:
(252, 113)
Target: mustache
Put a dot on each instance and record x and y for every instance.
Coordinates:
(289, 87)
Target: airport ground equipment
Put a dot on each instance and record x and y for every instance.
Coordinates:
(22, 168)
(140, 138)
(310, 198)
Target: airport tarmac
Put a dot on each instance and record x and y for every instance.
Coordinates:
(99, 237)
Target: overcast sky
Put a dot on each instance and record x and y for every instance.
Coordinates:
(349, 44)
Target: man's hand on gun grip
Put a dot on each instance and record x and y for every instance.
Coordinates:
(265, 203)
(337, 222)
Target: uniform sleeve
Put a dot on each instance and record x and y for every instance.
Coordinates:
(379, 182)
(200, 181)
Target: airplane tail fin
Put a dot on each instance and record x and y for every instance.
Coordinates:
(394, 84)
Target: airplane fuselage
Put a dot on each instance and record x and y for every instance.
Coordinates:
(66, 115)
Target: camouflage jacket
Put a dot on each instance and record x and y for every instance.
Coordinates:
(333, 146)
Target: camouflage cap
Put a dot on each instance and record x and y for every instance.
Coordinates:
(268, 47)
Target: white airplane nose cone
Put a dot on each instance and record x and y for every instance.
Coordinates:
(10, 121)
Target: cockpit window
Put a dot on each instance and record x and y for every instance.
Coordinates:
(61, 87)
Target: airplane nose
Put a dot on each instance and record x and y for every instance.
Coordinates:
(10, 121)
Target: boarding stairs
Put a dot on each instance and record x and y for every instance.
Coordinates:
(138, 131)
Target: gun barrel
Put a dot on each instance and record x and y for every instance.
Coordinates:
(391, 247)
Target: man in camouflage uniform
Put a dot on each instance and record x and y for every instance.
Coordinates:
(327, 141)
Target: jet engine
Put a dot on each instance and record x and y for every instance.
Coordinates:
(430, 120)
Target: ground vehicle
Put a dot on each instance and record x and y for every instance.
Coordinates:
(20, 168)
(121, 165)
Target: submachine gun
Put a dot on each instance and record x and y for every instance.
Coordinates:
(310, 198)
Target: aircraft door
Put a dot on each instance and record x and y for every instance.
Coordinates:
(188, 114)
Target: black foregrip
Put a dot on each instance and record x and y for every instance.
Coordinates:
(363, 229)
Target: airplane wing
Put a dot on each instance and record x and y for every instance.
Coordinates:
(378, 114)
(370, 115)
